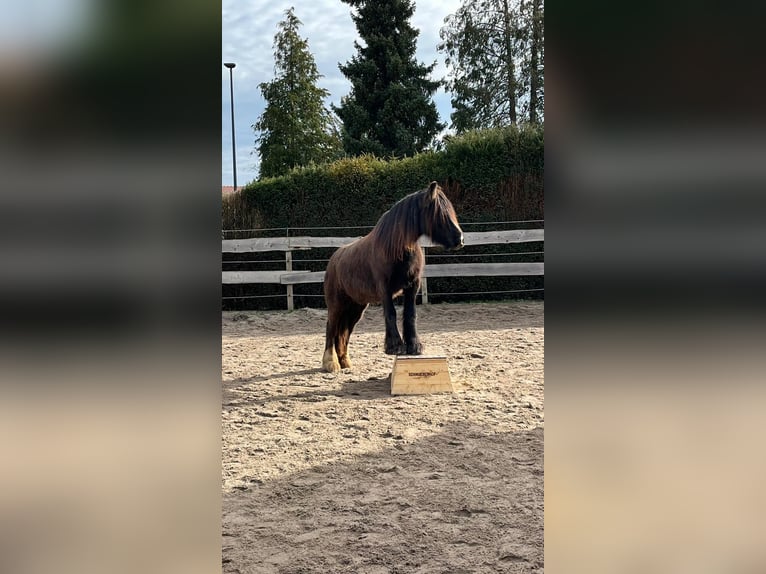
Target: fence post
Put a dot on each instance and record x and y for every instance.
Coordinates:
(424, 281)
(289, 267)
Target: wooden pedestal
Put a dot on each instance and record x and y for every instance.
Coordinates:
(420, 375)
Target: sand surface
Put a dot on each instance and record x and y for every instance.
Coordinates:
(330, 473)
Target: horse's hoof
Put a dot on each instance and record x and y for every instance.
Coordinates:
(396, 349)
(345, 363)
(331, 367)
(415, 349)
(330, 363)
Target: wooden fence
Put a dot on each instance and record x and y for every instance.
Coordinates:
(288, 277)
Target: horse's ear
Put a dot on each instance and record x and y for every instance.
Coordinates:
(432, 190)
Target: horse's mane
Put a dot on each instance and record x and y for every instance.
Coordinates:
(400, 227)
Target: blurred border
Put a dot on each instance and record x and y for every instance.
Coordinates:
(110, 286)
(654, 311)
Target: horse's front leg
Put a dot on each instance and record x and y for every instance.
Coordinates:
(413, 344)
(394, 343)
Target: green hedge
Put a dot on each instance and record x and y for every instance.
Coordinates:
(490, 175)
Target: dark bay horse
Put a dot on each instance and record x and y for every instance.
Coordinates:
(382, 265)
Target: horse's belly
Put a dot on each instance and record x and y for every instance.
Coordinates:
(362, 294)
(357, 283)
(355, 277)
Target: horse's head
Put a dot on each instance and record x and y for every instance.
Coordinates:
(439, 218)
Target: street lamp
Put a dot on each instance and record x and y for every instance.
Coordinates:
(231, 65)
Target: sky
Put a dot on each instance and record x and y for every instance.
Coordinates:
(248, 29)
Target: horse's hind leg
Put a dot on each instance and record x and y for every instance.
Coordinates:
(349, 319)
(330, 360)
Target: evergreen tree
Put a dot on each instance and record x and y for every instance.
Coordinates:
(494, 50)
(296, 128)
(389, 110)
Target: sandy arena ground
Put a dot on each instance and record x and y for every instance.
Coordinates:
(329, 473)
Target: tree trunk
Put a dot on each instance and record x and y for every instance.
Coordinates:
(534, 76)
(291, 90)
(509, 66)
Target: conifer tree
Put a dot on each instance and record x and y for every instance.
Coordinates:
(295, 128)
(390, 111)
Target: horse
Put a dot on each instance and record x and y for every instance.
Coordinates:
(382, 265)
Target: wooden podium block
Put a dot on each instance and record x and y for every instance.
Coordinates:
(420, 375)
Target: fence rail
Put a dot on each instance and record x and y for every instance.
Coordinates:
(289, 277)
(260, 244)
(447, 270)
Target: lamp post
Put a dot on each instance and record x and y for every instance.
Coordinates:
(231, 65)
